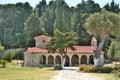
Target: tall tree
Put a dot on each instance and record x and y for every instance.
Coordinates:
(12, 17)
(40, 7)
(32, 28)
(61, 42)
(102, 23)
(48, 18)
(88, 6)
(62, 12)
(113, 7)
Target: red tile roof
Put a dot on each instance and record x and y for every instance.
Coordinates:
(82, 49)
(36, 50)
(42, 37)
(78, 49)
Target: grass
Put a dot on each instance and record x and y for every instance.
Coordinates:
(14, 71)
(105, 76)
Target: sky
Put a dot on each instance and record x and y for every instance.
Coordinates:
(69, 2)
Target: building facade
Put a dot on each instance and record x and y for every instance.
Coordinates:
(81, 54)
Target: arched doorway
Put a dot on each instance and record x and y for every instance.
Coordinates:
(75, 60)
(91, 60)
(58, 59)
(67, 61)
(50, 60)
(83, 59)
(42, 59)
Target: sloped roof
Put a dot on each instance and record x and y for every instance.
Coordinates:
(82, 49)
(78, 49)
(42, 37)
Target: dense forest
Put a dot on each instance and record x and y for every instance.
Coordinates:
(19, 22)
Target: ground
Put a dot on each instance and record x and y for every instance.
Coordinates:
(14, 71)
(71, 73)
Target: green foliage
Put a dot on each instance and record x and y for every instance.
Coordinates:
(114, 50)
(32, 28)
(3, 63)
(8, 55)
(102, 23)
(117, 72)
(113, 7)
(93, 69)
(47, 19)
(19, 23)
(18, 54)
(1, 48)
(111, 52)
(57, 67)
(63, 19)
(12, 17)
(82, 67)
(40, 7)
(88, 6)
(61, 41)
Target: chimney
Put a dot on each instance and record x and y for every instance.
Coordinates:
(94, 42)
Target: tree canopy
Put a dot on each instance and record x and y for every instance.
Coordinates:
(102, 23)
(61, 42)
(19, 22)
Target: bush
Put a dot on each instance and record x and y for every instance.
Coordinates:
(18, 54)
(1, 48)
(91, 68)
(57, 67)
(82, 67)
(8, 56)
(116, 71)
(3, 63)
(104, 69)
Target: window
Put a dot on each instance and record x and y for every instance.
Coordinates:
(43, 41)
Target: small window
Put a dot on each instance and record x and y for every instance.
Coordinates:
(43, 41)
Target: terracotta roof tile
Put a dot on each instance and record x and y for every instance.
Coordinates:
(36, 50)
(82, 49)
(78, 49)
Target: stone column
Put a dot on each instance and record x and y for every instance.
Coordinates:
(88, 59)
(70, 57)
(79, 59)
(61, 59)
(46, 59)
(54, 56)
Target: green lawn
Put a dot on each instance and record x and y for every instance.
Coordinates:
(105, 76)
(15, 72)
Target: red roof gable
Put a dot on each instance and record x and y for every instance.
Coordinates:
(78, 49)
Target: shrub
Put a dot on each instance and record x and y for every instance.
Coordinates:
(57, 67)
(82, 67)
(116, 71)
(3, 63)
(8, 56)
(1, 48)
(104, 69)
(91, 68)
(18, 54)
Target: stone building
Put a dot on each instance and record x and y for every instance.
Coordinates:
(81, 54)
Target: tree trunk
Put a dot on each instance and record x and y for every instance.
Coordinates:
(63, 61)
(97, 53)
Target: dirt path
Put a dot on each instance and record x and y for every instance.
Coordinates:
(71, 73)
